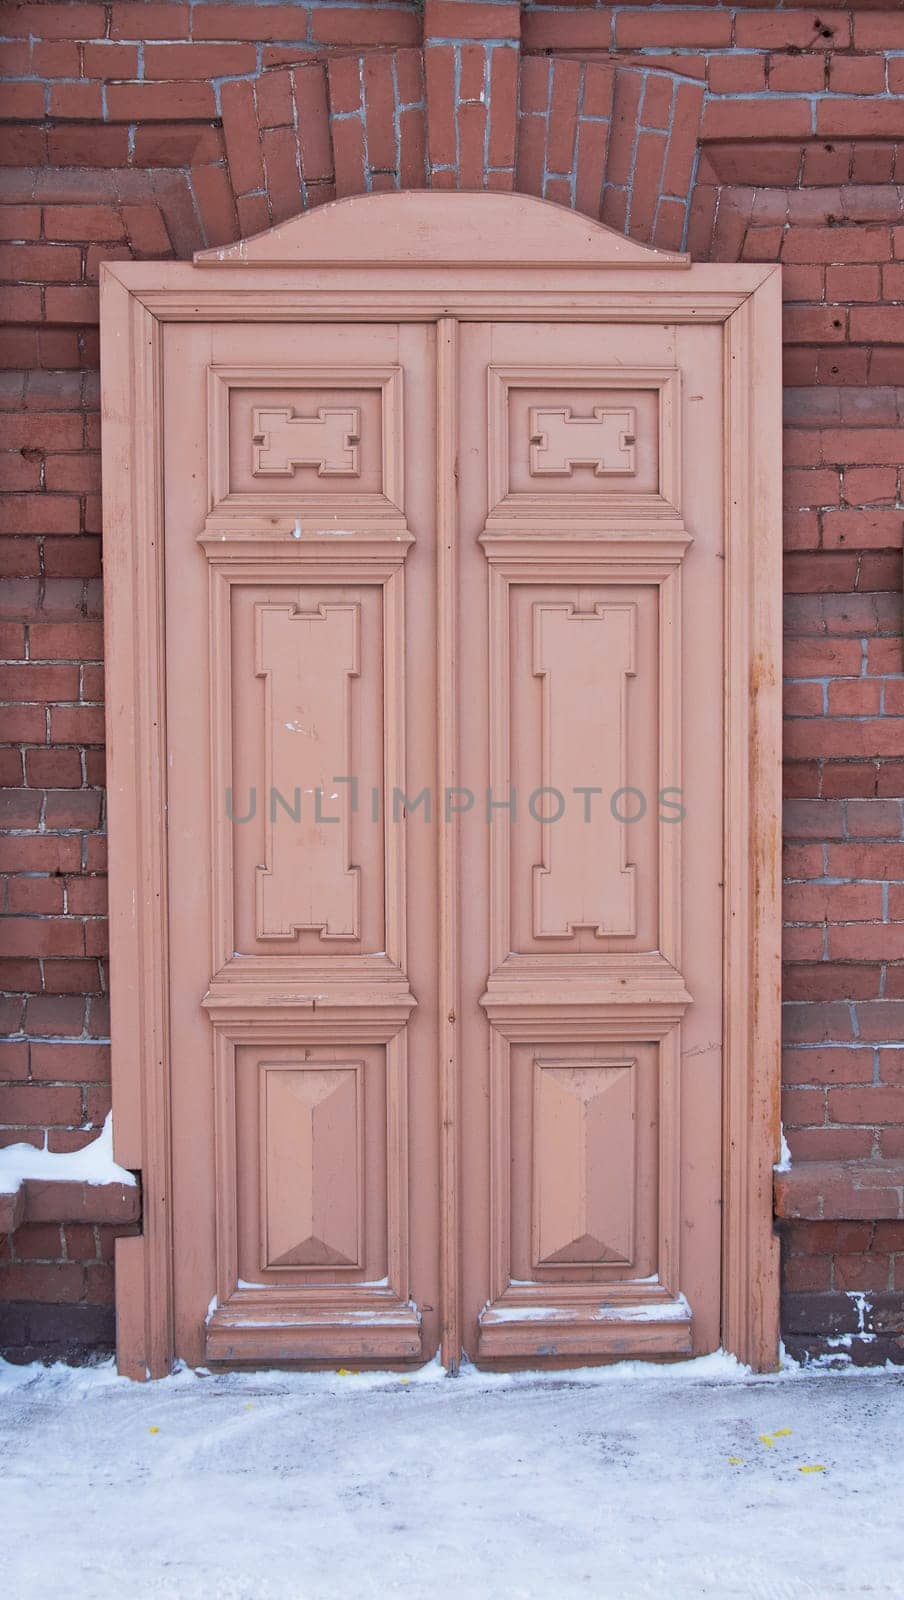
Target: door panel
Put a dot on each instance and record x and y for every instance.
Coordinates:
(592, 979)
(307, 690)
(300, 604)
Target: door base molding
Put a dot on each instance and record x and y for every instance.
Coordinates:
(244, 1331)
(656, 1328)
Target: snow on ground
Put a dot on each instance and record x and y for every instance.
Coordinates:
(615, 1484)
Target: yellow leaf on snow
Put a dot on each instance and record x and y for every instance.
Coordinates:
(816, 1467)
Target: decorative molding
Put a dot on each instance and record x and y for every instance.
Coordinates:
(559, 442)
(601, 439)
(282, 564)
(315, 654)
(266, 502)
(567, 644)
(565, 561)
(281, 440)
(584, 1138)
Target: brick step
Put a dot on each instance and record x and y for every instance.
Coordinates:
(841, 1191)
(49, 1200)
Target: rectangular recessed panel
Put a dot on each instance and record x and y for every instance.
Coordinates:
(305, 440)
(307, 658)
(307, 719)
(572, 440)
(311, 1164)
(584, 1140)
(584, 764)
(584, 1162)
(583, 658)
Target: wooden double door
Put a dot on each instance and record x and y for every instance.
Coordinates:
(443, 723)
(444, 783)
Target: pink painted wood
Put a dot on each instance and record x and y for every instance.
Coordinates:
(444, 750)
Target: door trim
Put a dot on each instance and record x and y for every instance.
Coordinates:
(337, 264)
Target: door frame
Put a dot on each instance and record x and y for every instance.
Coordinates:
(442, 258)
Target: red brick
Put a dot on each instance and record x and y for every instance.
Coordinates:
(369, 25)
(854, 282)
(58, 1283)
(13, 1060)
(379, 107)
(80, 1242)
(675, 29)
(198, 61)
(66, 641)
(157, 21)
(503, 107)
(105, 60)
(867, 942)
(739, 118)
(70, 21)
(242, 140)
(456, 19)
(861, 75)
(71, 145)
(22, 102)
(51, 1105)
(863, 446)
(736, 74)
(858, 118)
(814, 325)
(176, 144)
(806, 1273)
(20, 222)
(821, 1066)
(865, 488)
(76, 102)
(866, 1105)
(802, 29)
(854, 697)
(830, 1144)
(160, 102)
(797, 74)
(85, 222)
(862, 1272)
(41, 431)
(39, 1241)
(841, 244)
(566, 85)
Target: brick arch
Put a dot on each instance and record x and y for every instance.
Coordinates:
(618, 143)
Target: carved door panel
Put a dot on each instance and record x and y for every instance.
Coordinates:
(590, 688)
(301, 661)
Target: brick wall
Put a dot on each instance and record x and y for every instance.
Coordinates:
(751, 132)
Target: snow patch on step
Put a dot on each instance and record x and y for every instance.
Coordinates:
(92, 1164)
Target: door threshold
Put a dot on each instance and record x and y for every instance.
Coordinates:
(334, 1334)
(659, 1329)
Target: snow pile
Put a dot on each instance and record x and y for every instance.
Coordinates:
(92, 1164)
(783, 1164)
